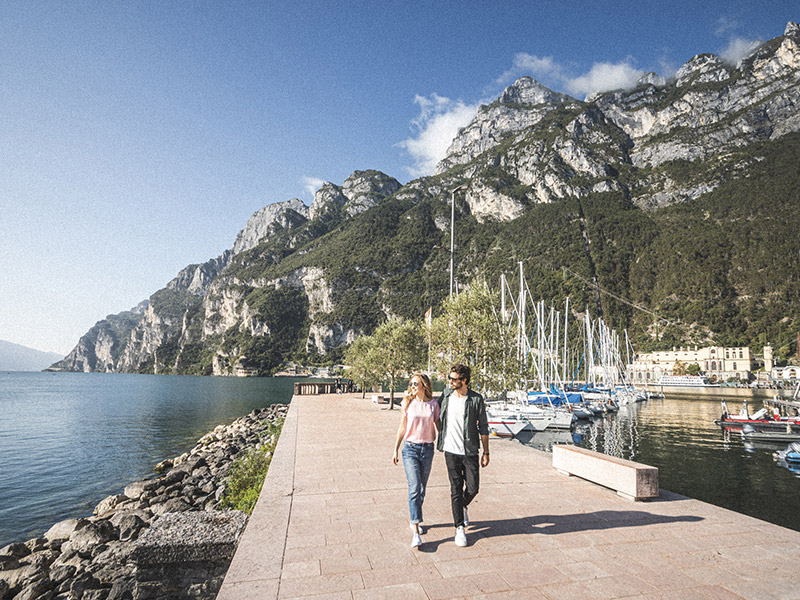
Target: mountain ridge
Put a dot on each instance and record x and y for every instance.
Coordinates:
(16, 357)
(601, 178)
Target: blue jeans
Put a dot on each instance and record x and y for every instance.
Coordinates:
(417, 461)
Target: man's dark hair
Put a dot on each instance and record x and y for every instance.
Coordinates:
(462, 371)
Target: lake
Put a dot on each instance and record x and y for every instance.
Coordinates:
(694, 457)
(68, 440)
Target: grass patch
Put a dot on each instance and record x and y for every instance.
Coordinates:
(247, 473)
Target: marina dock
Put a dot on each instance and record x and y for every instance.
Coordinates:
(332, 523)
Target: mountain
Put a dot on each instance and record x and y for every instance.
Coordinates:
(14, 357)
(671, 209)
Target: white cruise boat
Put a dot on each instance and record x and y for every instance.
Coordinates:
(685, 381)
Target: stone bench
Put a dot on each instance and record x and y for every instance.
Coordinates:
(629, 479)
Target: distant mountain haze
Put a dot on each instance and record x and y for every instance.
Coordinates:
(14, 357)
(680, 197)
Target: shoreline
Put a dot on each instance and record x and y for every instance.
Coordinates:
(92, 557)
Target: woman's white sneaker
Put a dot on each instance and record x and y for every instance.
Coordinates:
(461, 536)
(416, 541)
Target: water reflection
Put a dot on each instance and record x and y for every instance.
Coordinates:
(694, 457)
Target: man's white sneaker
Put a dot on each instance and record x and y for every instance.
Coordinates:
(416, 541)
(461, 537)
(466, 517)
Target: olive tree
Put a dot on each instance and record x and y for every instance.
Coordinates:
(396, 348)
(470, 331)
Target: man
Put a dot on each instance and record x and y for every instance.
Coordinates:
(463, 422)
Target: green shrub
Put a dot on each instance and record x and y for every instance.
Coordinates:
(247, 473)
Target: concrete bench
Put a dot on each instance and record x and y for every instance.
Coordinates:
(629, 479)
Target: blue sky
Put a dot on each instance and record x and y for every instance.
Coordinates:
(138, 137)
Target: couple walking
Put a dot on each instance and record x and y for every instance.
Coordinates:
(457, 423)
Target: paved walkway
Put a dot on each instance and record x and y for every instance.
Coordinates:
(332, 523)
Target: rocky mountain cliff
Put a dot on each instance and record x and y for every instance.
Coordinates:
(659, 195)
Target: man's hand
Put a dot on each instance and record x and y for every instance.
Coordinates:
(485, 460)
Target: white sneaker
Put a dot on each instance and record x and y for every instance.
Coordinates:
(461, 537)
(416, 541)
(419, 528)
(466, 517)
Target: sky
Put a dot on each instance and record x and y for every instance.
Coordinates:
(137, 138)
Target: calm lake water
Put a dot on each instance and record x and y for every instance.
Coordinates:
(693, 456)
(68, 440)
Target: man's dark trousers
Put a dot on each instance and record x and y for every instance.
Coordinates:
(462, 470)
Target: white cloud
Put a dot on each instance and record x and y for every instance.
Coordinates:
(725, 26)
(737, 49)
(540, 68)
(604, 77)
(436, 125)
(312, 184)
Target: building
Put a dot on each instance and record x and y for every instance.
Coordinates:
(714, 362)
(788, 373)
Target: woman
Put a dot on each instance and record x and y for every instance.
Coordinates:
(418, 428)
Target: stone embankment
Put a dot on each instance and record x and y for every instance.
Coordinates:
(162, 537)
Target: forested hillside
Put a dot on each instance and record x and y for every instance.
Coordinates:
(671, 210)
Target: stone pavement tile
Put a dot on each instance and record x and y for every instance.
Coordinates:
(458, 587)
(656, 574)
(377, 578)
(534, 578)
(605, 588)
(344, 565)
(582, 570)
(575, 590)
(403, 591)
(716, 592)
(250, 590)
(346, 595)
(502, 545)
(305, 568)
(301, 541)
(529, 594)
(392, 559)
(309, 586)
(712, 575)
(304, 553)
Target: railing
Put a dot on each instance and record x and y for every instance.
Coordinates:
(305, 388)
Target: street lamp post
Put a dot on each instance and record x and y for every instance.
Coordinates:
(453, 231)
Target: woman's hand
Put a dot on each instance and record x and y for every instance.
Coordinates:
(394, 458)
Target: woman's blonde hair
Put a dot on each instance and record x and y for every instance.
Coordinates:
(426, 384)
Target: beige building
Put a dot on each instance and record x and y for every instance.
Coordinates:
(714, 362)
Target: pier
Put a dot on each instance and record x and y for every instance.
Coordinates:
(332, 523)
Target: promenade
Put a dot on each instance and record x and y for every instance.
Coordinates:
(332, 523)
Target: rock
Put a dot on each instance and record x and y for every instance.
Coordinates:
(172, 506)
(16, 549)
(109, 503)
(81, 584)
(129, 526)
(122, 590)
(36, 589)
(8, 562)
(93, 534)
(136, 489)
(364, 189)
(63, 529)
(164, 465)
(268, 221)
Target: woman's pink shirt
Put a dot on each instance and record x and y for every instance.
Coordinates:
(420, 421)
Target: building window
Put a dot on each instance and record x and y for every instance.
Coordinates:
(713, 365)
(741, 355)
(734, 366)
